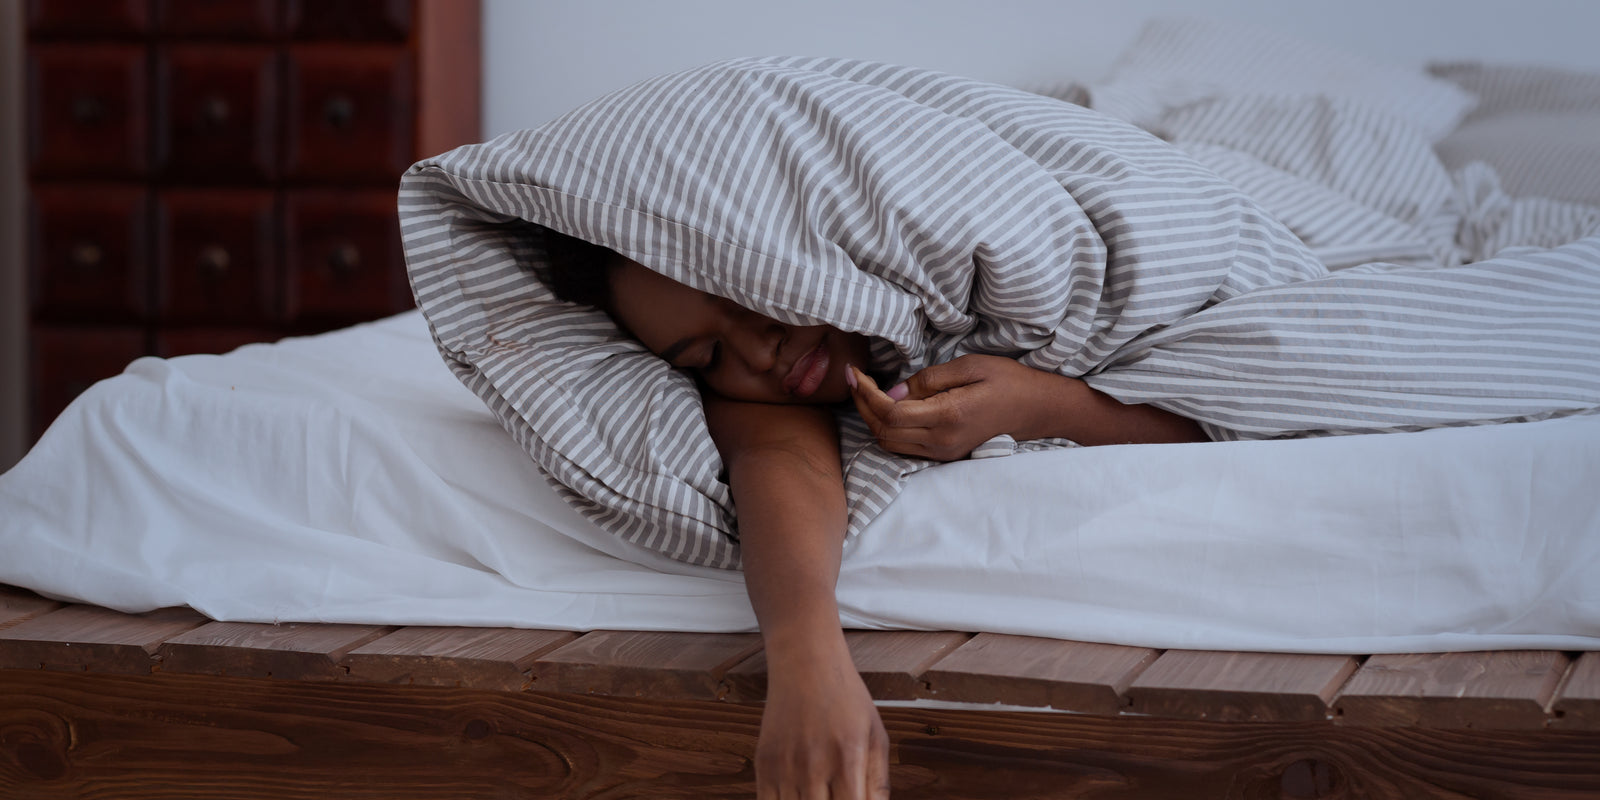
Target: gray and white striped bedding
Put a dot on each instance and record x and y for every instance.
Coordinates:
(941, 216)
(1538, 127)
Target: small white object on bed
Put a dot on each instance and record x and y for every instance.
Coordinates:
(350, 477)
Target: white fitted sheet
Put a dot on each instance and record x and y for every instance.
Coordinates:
(350, 477)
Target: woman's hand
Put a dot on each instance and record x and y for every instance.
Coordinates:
(946, 410)
(821, 736)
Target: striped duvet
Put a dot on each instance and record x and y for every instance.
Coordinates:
(943, 216)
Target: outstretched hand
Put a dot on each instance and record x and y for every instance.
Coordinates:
(821, 736)
(945, 411)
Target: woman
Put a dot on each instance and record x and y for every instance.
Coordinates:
(766, 387)
(946, 218)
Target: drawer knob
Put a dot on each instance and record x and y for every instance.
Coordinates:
(344, 260)
(213, 261)
(88, 109)
(86, 255)
(214, 111)
(339, 111)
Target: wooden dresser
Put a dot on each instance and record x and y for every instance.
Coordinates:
(208, 173)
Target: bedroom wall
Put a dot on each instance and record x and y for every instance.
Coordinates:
(11, 251)
(543, 57)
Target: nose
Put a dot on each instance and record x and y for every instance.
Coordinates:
(755, 340)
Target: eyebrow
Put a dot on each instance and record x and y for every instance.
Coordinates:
(676, 349)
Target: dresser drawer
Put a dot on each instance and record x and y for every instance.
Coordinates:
(88, 18)
(88, 253)
(88, 109)
(231, 19)
(217, 113)
(216, 256)
(64, 361)
(344, 260)
(350, 111)
(354, 20)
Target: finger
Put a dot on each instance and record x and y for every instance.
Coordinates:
(883, 413)
(850, 779)
(877, 775)
(930, 381)
(817, 789)
(898, 439)
(874, 406)
(909, 427)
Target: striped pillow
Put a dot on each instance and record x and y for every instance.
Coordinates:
(1539, 127)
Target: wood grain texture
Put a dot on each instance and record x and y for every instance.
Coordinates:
(163, 736)
(678, 666)
(449, 92)
(1577, 703)
(294, 651)
(1498, 690)
(476, 658)
(891, 664)
(1029, 671)
(1203, 684)
(19, 605)
(90, 638)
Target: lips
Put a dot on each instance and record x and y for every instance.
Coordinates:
(808, 372)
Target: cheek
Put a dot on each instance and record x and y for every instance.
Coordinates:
(736, 386)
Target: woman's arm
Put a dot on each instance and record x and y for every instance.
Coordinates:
(945, 411)
(820, 733)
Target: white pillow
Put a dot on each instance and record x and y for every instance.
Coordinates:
(1178, 61)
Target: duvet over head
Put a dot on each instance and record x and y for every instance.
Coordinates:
(936, 214)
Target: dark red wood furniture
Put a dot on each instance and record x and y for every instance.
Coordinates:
(205, 174)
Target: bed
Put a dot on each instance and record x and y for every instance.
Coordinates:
(322, 565)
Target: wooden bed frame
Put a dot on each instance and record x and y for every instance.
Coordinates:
(96, 703)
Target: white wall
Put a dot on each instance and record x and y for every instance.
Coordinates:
(544, 57)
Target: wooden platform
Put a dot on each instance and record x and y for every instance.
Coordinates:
(94, 703)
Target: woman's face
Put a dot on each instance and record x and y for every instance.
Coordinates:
(739, 354)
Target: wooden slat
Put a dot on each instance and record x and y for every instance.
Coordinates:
(476, 658)
(1030, 671)
(1203, 684)
(1577, 703)
(642, 664)
(78, 637)
(891, 663)
(1503, 689)
(19, 605)
(294, 651)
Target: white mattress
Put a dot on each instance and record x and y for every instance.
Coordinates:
(350, 478)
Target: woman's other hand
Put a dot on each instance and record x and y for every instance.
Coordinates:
(945, 411)
(821, 736)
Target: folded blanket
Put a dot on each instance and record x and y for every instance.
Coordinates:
(939, 216)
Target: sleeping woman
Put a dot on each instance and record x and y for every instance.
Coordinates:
(766, 387)
(1022, 267)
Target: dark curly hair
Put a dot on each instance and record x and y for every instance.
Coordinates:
(579, 272)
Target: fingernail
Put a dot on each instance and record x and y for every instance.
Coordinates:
(850, 375)
(898, 391)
